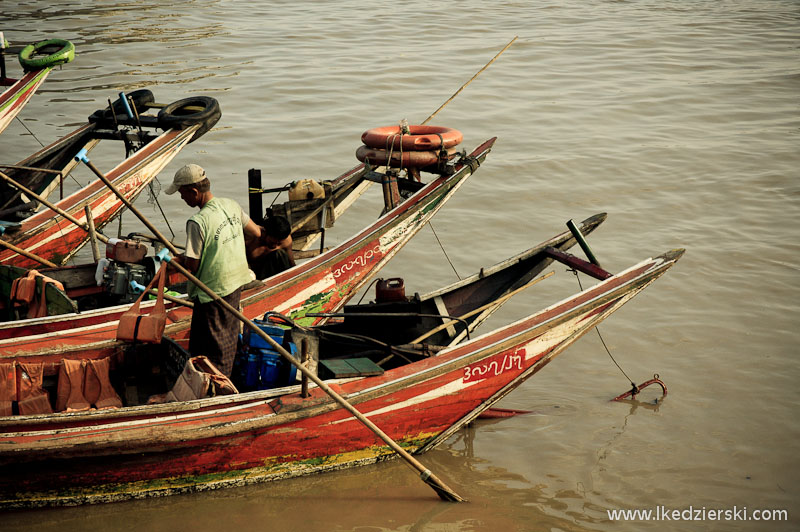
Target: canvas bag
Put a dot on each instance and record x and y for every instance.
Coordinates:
(137, 327)
(200, 378)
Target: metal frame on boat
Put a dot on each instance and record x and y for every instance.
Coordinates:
(56, 239)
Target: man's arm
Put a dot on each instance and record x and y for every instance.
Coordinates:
(252, 230)
(190, 259)
(287, 245)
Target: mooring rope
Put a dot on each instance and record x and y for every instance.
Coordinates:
(443, 250)
(40, 144)
(596, 328)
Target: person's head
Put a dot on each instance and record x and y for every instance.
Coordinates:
(192, 183)
(276, 230)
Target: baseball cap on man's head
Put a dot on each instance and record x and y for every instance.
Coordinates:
(186, 175)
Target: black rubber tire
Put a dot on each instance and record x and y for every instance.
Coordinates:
(176, 115)
(183, 113)
(141, 98)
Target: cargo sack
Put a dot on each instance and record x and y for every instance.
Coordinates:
(199, 379)
(135, 326)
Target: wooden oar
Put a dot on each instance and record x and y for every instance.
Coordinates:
(471, 313)
(51, 206)
(444, 492)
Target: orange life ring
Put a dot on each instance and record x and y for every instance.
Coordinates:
(410, 159)
(419, 138)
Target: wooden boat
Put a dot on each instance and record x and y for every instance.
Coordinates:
(322, 284)
(419, 399)
(20, 91)
(147, 153)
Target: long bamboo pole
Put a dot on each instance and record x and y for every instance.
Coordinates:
(51, 205)
(444, 492)
(468, 82)
(28, 254)
(92, 233)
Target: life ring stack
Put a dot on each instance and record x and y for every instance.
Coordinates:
(405, 146)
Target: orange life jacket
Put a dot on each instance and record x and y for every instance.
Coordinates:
(31, 395)
(97, 387)
(23, 293)
(8, 387)
(70, 386)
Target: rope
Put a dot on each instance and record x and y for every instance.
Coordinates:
(430, 224)
(29, 131)
(154, 199)
(468, 82)
(596, 328)
(40, 144)
(367, 289)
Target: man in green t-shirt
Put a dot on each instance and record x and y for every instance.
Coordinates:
(215, 254)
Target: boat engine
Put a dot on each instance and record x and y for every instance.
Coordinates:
(125, 262)
(117, 278)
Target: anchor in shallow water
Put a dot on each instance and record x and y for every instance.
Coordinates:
(636, 389)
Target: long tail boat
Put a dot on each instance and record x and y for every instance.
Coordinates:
(52, 52)
(321, 284)
(56, 239)
(417, 392)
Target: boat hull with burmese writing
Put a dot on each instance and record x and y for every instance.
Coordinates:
(233, 440)
(321, 284)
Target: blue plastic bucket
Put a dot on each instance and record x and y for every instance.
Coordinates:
(254, 341)
(251, 371)
(274, 371)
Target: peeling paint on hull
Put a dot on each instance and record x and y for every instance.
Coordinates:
(14, 99)
(57, 240)
(233, 440)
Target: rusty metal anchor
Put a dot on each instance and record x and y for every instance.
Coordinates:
(636, 389)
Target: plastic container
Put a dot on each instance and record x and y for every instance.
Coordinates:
(390, 290)
(306, 189)
(254, 341)
(251, 371)
(276, 372)
(125, 250)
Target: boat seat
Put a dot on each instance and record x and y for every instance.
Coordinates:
(348, 367)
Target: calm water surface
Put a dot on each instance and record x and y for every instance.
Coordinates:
(679, 119)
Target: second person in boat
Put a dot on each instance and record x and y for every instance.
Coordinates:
(272, 252)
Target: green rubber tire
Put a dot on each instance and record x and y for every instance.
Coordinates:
(64, 55)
